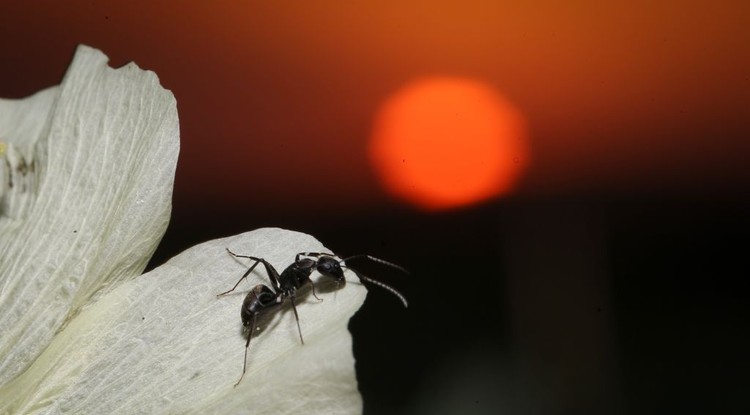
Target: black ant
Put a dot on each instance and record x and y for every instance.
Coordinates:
(286, 284)
(328, 266)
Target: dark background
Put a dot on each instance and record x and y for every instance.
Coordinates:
(612, 280)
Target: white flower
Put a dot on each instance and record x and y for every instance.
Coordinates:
(86, 176)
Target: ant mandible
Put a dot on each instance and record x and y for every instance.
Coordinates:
(286, 284)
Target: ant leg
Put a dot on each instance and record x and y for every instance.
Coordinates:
(240, 280)
(313, 292)
(296, 317)
(249, 336)
(311, 254)
(270, 270)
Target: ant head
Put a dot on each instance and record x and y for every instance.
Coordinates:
(330, 267)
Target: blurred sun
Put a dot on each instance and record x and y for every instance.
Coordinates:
(442, 143)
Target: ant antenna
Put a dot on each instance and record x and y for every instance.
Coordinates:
(379, 261)
(376, 282)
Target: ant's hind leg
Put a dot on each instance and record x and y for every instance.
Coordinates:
(249, 336)
(240, 280)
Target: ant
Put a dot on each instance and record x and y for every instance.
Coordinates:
(286, 284)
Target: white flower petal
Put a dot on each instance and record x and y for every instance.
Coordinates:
(25, 121)
(164, 343)
(92, 167)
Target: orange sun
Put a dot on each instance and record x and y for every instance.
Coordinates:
(442, 143)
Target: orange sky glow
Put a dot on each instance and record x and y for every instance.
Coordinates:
(617, 97)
